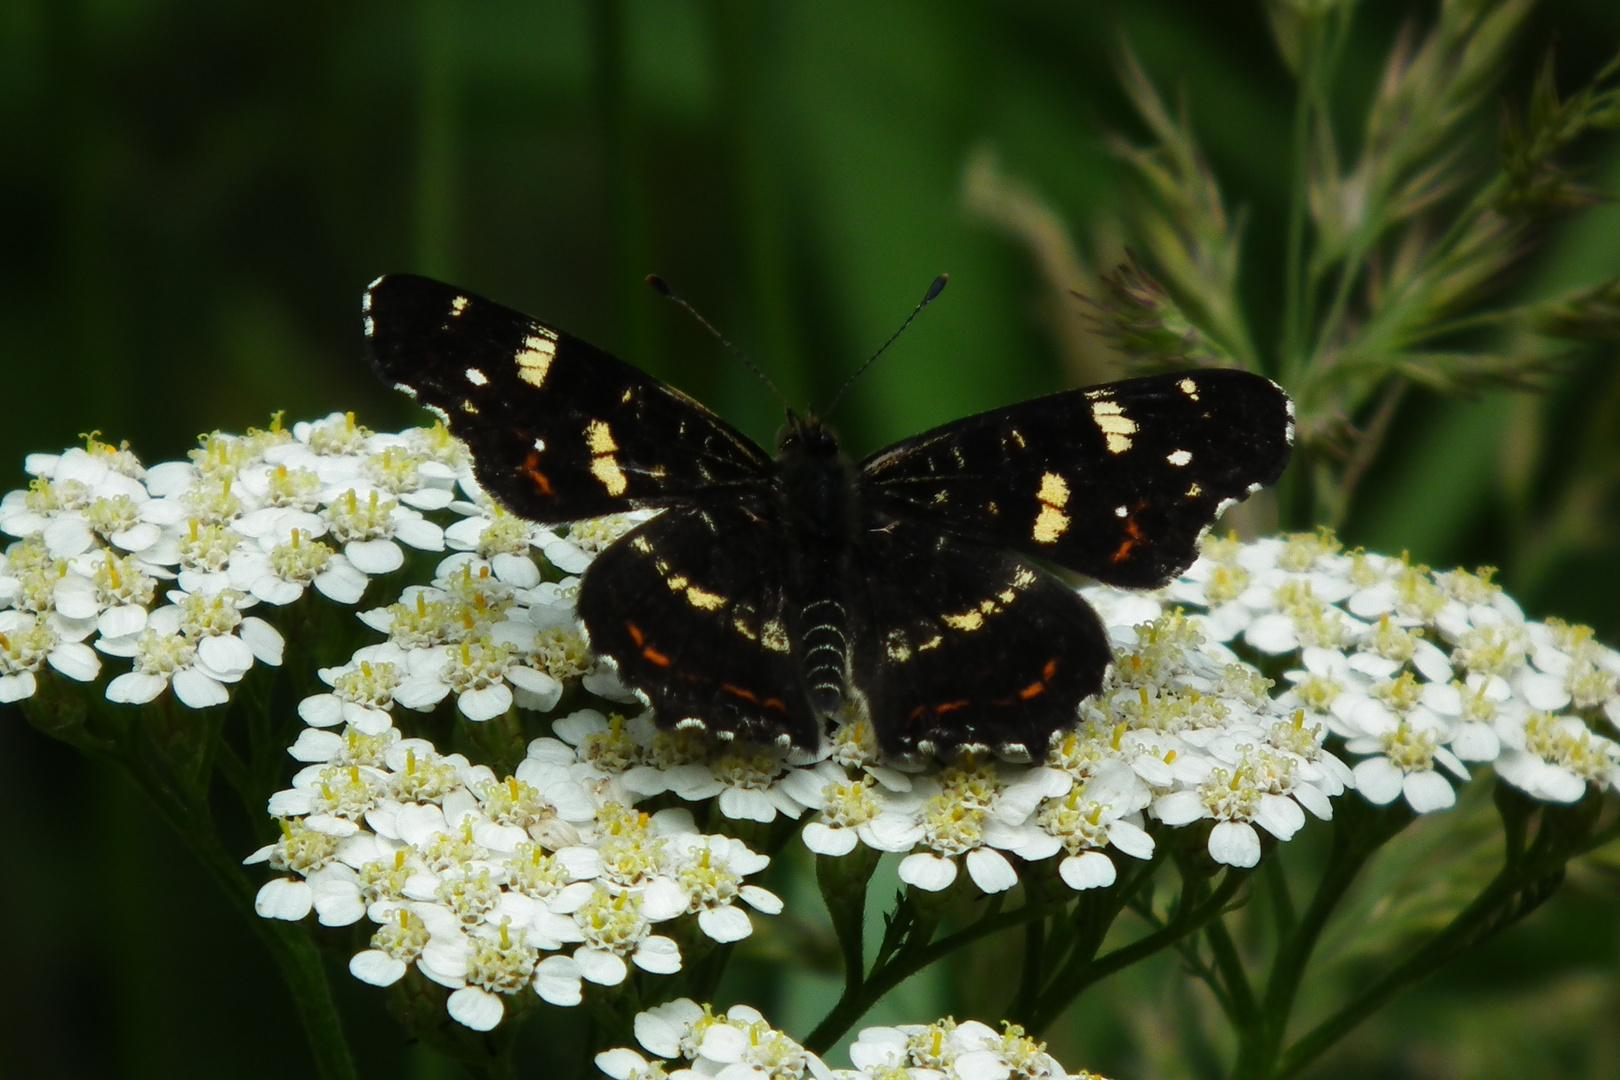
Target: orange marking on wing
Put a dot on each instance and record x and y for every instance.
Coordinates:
(1133, 536)
(1034, 689)
(949, 706)
(652, 655)
(635, 633)
(1048, 671)
(750, 696)
(531, 469)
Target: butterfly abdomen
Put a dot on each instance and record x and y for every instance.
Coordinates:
(818, 507)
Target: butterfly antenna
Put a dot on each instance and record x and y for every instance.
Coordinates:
(933, 290)
(661, 287)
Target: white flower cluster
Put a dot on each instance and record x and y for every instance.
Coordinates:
(742, 1044)
(539, 881)
(1417, 671)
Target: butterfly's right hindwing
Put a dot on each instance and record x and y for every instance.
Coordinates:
(559, 430)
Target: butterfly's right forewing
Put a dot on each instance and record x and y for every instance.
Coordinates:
(559, 430)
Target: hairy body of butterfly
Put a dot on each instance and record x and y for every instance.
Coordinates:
(772, 592)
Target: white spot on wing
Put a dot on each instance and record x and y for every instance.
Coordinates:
(1051, 522)
(476, 377)
(457, 306)
(1189, 388)
(534, 358)
(1179, 458)
(1117, 428)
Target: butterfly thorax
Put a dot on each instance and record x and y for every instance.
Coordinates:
(818, 501)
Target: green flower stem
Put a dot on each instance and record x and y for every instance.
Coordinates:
(1512, 894)
(166, 772)
(1359, 830)
(290, 946)
(1241, 1006)
(1033, 973)
(843, 881)
(916, 952)
(1081, 971)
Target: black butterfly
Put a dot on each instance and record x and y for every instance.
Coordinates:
(774, 590)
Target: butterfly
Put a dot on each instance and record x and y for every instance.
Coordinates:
(775, 592)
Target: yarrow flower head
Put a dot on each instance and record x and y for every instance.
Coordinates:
(688, 1039)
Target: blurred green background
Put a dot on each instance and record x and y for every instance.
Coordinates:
(194, 192)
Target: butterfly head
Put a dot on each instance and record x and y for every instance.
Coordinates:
(806, 437)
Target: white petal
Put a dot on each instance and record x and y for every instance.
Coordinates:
(724, 1044)
(419, 533)
(1234, 843)
(1087, 870)
(341, 582)
(1542, 692)
(662, 899)
(603, 968)
(321, 710)
(122, 620)
(284, 898)
(420, 692)
(134, 688)
(77, 662)
(1179, 808)
(990, 870)
(747, 804)
(658, 954)
(337, 900)
(476, 1008)
(659, 1035)
(726, 923)
(557, 980)
(927, 871)
(196, 690)
(1378, 780)
(66, 537)
(621, 1063)
(486, 703)
(23, 685)
(1272, 634)
(377, 968)
(264, 640)
(1279, 815)
(761, 900)
(1428, 791)
(544, 690)
(825, 840)
(1430, 661)
(313, 744)
(1133, 840)
(226, 654)
(374, 556)
(518, 571)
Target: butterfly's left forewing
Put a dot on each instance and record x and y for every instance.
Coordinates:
(1115, 481)
(559, 430)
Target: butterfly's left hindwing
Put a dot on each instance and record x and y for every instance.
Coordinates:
(559, 430)
(1116, 481)
(692, 606)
